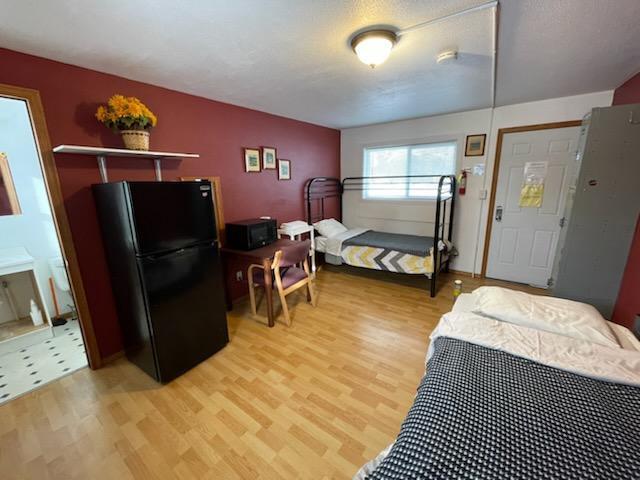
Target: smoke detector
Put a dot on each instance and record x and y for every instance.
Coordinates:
(447, 56)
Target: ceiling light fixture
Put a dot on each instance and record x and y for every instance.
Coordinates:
(373, 47)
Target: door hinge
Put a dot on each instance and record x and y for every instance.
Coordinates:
(550, 282)
(562, 222)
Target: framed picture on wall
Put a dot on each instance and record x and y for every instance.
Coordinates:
(251, 160)
(284, 170)
(475, 145)
(269, 158)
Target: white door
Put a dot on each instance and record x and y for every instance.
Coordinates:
(524, 239)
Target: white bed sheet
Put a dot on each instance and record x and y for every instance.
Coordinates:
(333, 245)
(464, 303)
(625, 337)
(611, 364)
(320, 244)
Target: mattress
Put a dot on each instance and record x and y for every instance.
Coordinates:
(625, 337)
(474, 414)
(390, 252)
(388, 260)
(415, 245)
(486, 414)
(320, 244)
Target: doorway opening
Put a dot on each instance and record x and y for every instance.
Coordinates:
(44, 332)
(523, 227)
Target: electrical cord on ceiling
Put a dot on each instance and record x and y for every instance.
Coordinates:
(494, 71)
(465, 11)
(494, 5)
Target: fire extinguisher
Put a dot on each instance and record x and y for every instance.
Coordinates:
(462, 183)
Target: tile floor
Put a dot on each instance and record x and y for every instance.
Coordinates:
(16, 328)
(31, 367)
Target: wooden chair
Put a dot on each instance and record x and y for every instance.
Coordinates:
(286, 275)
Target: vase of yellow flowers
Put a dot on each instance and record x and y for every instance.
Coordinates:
(131, 118)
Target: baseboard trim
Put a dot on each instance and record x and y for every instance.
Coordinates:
(112, 358)
(464, 274)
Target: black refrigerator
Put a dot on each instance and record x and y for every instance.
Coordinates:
(161, 244)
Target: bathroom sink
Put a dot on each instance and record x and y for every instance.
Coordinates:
(15, 259)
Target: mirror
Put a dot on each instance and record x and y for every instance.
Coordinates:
(9, 204)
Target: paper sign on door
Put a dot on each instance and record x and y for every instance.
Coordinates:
(532, 190)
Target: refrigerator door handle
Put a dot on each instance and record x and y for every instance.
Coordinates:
(157, 256)
(153, 258)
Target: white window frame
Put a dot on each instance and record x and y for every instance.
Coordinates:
(366, 169)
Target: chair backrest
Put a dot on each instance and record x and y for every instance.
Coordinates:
(294, 254)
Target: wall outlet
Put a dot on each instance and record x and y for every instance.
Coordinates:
(239, 276)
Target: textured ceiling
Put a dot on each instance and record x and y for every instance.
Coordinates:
(292, 57)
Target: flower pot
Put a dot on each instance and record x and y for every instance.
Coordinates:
(135, 139)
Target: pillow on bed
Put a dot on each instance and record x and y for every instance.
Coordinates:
(556, 315)
(330, 227)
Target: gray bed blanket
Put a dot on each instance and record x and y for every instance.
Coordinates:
(486, 414)
(411, 244)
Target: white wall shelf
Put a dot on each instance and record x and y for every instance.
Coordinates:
(101, 155)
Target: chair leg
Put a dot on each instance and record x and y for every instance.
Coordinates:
(252, 297)
(285, 309)
(311, 293)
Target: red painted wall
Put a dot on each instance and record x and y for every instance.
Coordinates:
(628, 303)
(628, 92)
(186, 123)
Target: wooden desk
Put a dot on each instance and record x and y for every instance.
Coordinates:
(261, 256)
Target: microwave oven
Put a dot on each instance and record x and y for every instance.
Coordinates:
(251, 234)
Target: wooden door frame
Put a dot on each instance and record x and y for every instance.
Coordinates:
(496, 173)
(60, 220)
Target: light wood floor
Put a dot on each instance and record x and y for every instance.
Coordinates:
(313, 401)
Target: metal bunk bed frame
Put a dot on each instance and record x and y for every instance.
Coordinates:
(318, 189)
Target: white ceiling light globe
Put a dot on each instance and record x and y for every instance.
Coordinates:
(373, 47)
(374, 51)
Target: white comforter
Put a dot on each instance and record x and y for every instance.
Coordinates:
(576, 356)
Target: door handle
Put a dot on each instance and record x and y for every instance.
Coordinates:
(498, 214)
(153, 258)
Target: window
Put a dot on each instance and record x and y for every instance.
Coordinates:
(406, 160)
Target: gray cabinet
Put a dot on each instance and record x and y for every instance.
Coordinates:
(603, 210)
